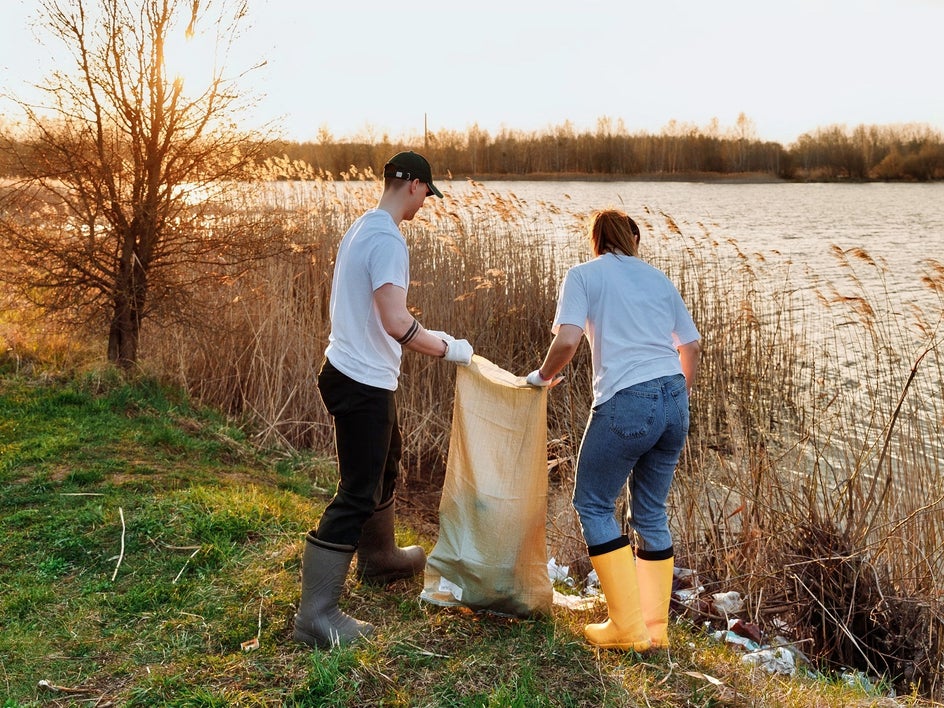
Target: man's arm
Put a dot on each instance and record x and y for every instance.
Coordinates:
(398, 322)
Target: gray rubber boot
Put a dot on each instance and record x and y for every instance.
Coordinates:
(379, 559)
(319, 622)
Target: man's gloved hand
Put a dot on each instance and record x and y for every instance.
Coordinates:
(458, 351)
(535, 379)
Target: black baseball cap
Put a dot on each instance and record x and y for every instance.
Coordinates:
(409, 166)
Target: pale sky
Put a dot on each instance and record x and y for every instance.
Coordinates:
(359, 67)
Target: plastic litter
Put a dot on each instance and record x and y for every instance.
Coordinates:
(728, 603)
(559, 573)
(778, 655)
(734, 639)
(576, 602)
(779, 660)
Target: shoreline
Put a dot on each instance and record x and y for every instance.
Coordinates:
(730, 178)
(713, 177)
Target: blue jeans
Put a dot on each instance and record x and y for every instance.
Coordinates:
(638, 436)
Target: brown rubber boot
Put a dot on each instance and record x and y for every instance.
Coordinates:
(379, 559)
(319, 622)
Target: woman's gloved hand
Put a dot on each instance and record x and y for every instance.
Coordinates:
(536, 379)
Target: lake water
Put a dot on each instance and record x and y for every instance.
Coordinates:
(900, 225)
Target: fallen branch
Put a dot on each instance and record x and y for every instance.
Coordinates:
(185, 566)
(121, 555)
(253, 644)
(259, 629)
(65, 689)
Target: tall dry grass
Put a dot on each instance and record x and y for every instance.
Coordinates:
(811, 482)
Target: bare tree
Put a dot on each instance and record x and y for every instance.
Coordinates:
(116, 210)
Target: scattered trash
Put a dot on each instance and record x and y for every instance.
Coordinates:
(686, 589)
(747, 629)
(684, 578)
(728, 603)
(559, 573)
(446, 594)
(779, 660)
(593, 584)
(250, 644)
(576, 602)
(857, 679)
(778, 656)
(732, 638)
(587, 598)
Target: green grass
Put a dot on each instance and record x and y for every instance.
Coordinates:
(145, 540)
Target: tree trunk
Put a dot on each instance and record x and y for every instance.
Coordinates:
(123, 338)
(125, 327)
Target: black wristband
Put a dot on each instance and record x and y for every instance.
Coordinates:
(410, 334)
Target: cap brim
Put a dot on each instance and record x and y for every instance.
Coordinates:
(434, 190)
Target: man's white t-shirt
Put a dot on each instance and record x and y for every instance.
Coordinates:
(633, 317)
(372, 253)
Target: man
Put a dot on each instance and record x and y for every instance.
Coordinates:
(370, 326)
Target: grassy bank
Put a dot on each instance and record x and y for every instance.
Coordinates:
(146, 540)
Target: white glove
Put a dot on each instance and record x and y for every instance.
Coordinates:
(442, 335)
(535, 379)
(458, 351)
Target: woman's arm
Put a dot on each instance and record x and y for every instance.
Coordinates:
(562, 350)
(690, 355)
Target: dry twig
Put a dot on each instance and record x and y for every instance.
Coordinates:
(185, 566)
(121, 555)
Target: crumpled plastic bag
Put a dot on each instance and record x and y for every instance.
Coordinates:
(775, 660)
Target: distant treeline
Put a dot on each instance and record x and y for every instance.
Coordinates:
(907, 152)
(903, 152)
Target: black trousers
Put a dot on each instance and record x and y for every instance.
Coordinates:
(369, 447)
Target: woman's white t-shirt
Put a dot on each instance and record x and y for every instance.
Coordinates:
(372, 253)
(633, 317)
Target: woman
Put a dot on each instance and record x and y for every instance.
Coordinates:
(645, 350)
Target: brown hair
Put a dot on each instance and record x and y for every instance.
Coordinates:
(612, 230)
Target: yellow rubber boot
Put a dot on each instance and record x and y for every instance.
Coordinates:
(655, 592)
(625, 627)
